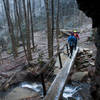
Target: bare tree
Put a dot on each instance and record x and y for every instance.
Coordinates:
(49, 30)
(52, 33)
(31, 18)
(10, 26)
(27, 26)
(19, 25)
(57, 25)
(16, 25)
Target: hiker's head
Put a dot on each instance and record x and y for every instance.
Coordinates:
(72, 33)
(75, 31)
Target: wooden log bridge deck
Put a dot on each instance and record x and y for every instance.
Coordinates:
(56, 89)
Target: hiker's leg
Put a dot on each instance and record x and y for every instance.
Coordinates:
(75, 44)
(71, 50)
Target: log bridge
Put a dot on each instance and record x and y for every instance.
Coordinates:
(56, 89)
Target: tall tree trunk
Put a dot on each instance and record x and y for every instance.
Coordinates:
(16, 26)
(32, 29)
(20, 10)
(52, 33)
(19, 25)
(33, 10)
(10, 26)
(57, 25)
(49, 31)
(26, 15)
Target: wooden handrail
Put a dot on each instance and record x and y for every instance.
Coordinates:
(51, 59)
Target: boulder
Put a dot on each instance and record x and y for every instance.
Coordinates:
(92, 63)
(19, 93)
(85, 61)
(86, 49)
(79, 76)
(80, 50)
(90, 52)
(85, 64)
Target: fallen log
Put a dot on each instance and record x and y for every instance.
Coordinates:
(6, 84)
(4, 75)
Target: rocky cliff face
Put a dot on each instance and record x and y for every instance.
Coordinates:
(92, 8)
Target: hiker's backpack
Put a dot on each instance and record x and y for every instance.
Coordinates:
(71, 41)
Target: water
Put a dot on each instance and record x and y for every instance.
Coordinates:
(70, 91)
(17, 92)
(73, 91)
(36, 87)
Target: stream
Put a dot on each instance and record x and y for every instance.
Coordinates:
(74, 91)
(23, 90)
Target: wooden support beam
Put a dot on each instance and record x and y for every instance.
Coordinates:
(43, 85)
(67, 49)
(57, 87)
(59, 56)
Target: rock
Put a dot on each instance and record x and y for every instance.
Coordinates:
(71, 98)
(91, 71)
(20, 93)
(79, 76)
(85, 64)
(93, 58)
(92, 63)
(84, 69)
(80, 50)
(86, 49)
(85, 61)
(90, 52)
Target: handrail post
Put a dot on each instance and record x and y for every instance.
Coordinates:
(60, 60)
(43, 84)
(67, 49)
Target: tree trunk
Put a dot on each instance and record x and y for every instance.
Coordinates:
(26, 15)
(10, 26)
(16, 26)
(57, 25)
(32, 29)
(20, 29)
(52, 33)
(49, 31)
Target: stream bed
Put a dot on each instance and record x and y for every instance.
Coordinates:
(23, 90)
(73, 91)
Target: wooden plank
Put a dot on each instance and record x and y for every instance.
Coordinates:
(57, 86)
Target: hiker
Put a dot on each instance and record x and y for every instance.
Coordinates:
(76, 36)
(71, 42)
